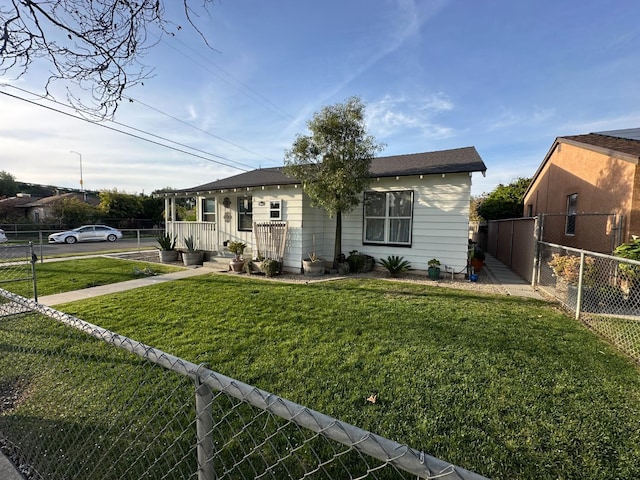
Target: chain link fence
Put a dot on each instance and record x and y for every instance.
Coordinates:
(17, 264)
(79, 401)
(602, 291)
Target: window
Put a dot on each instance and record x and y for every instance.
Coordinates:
(209, 210)
(570, 227)
(245, 214)
(275, 210)
(529, 210)
(388, 217)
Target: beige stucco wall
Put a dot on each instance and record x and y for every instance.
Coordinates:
(604, 184)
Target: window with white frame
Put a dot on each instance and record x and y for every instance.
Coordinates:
(388, 217)
(209, 210)
(245, 213)
(275, 210)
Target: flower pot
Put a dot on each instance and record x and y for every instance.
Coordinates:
(313, 269)
(236, 265)
(167, 256)
(434, 273)
(477, 264)
(192, 258)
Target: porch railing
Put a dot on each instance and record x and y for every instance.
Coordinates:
(203, 233)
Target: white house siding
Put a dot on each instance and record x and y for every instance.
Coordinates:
(440, 221)
(292, 210)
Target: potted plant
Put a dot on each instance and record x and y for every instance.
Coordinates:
(477, 259)
(566, 268)
(434, 269)
(313, 265)
(167, 248)
(270, 267)
(237, 262)
(395, 265)
(191, 256)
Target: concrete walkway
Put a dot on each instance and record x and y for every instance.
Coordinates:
(509, 281)
(50, 300)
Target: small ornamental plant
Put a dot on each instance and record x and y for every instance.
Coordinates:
(567, 268)
(237, 248)
(395, 265)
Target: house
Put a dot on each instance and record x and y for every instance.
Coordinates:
(41, 210)
(417, 207)
(588, 190)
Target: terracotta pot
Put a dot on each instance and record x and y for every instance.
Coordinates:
(237, 265)
(477, 264)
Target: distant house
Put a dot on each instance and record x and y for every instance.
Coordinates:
(417, 206)
(41, 209)
(588, 188)
(13, 208)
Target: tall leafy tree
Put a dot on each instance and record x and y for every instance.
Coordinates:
(505, 201)
(73, 212)
(8, 184)
(96, 45)
(334, 160)
(115, 204)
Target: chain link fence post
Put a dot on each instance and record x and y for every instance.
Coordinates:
(204, 428)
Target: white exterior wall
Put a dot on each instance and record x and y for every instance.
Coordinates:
(440, 227)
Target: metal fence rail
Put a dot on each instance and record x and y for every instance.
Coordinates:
(603, 291)
(139, 412)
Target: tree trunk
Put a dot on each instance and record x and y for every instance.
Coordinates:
(337, 249)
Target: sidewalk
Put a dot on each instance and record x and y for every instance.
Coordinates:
(509, 281)
(50, 300)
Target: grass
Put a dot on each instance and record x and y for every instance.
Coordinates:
(69, 275)
(506, 387)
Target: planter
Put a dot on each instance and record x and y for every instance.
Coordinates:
(168, 256)
(313, 269)
(477, 264)
(434, 273)
(192, 258)
(237, 265)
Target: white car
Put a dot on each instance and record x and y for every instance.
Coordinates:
(3, 236)
(86, 233)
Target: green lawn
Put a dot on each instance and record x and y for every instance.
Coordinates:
(507, 387)
(65, 276)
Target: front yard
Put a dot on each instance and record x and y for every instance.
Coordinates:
(507, 387)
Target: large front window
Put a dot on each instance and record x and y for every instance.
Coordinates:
(388, 217)
(245, 214)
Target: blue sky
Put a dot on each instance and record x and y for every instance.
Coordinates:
(507, 77)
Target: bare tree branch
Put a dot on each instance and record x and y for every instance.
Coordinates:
(97, 45)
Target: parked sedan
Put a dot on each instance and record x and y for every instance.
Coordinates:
(86, 233)
(3, 237)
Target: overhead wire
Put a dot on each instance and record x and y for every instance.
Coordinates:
(138, 137)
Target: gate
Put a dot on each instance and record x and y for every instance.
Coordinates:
(17, 264)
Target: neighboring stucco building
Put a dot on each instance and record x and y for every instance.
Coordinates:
(596, 173)
(417, 208)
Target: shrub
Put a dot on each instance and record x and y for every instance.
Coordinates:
(395, 265)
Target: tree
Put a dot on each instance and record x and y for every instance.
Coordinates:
(73, 212)
(8, 185)
(333, 162)
(115, 204)
(505, 201)
(98, 45)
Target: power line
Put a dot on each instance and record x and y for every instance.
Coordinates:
(243, 168)
(196, 128)
(265, 101)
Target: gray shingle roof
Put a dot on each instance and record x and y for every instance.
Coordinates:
(609, 142)
(459, 160)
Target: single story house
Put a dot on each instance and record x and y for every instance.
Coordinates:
(417, 207)
(588, 189)
(41, 209)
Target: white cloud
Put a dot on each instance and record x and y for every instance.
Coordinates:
(392, 115)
